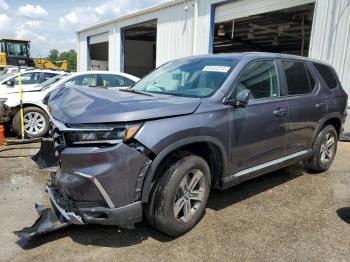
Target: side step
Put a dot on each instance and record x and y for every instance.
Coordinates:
(345, 137)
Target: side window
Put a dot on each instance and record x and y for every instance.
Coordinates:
(298, 78)
(48, 76)
(115, 81)
(28, 79)
(84, 80)
(327, 75)
(261, 79)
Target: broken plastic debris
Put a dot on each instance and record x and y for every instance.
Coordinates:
(47, 222)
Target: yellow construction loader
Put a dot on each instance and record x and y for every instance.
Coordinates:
(14, 52)
(47, 64)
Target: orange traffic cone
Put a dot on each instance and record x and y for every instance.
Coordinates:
(2, 134)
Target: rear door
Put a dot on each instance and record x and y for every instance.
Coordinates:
(88, 80)
(29, 80)
(307, 105)
(259, 129)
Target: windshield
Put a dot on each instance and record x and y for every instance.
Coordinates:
(47, 84)
(191, 77)
(5, 76)
(16, 49)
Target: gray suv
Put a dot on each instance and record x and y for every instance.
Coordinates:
(191, 125)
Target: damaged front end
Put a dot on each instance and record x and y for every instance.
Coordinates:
(91, 183)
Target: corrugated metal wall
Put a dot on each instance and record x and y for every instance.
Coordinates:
(174, 35)
(83, 38)
(330, 38)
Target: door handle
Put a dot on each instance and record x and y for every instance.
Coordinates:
(320, 105)
(280, 112)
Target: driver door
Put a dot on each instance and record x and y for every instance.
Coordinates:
(258, 130)
(29, 80)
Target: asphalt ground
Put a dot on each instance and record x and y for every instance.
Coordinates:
(288, 215)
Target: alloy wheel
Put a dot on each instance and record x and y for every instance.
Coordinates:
(327, 148)
(189, 196)
(34, 123)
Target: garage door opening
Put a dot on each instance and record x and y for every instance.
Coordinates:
(284, 31)
(98, 52)
(140, 48)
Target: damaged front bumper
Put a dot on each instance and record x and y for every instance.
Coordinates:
(80, 213)
(91, 185)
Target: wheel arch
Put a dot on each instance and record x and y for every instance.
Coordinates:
(333, 120)
(25, 105)
(216, 159)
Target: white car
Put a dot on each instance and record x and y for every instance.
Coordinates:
(36, 120)
(31, 78)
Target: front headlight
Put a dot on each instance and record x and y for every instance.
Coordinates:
(103, 136)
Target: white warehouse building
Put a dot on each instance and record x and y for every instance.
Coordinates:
(138, 42)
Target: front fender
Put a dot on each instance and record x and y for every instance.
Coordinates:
(163, 136)
(148, 182)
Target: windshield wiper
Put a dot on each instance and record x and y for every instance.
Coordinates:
(135, 92)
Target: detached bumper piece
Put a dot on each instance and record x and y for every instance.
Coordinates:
(47, 222)
(47, 157)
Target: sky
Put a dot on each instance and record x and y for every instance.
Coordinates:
(50, 24)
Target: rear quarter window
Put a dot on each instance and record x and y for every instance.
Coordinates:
(298, 77)
(327, 75)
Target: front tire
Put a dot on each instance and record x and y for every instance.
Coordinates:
(36, 122)
(180, 197)
(324, 150)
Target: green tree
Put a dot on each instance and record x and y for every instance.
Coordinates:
(70, 56)
(53, 56)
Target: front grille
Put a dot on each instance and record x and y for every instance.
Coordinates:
(61, 198)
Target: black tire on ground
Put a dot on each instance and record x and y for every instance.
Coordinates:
(16, 123)
(316, 163)
(161, 207)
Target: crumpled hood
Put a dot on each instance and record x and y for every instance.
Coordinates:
(82, 105)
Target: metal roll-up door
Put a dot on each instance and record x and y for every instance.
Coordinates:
(100, 38)
(244, 8)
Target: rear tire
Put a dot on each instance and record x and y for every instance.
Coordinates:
(36, 122)
(324, 150)
(180, 196)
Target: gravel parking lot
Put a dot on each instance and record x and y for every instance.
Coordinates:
(287, 215)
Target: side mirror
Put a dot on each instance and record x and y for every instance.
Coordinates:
(243, 97)
(241, 100)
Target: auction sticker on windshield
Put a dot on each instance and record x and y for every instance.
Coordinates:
(221, 69)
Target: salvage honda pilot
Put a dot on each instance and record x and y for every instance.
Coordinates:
(159, 147)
